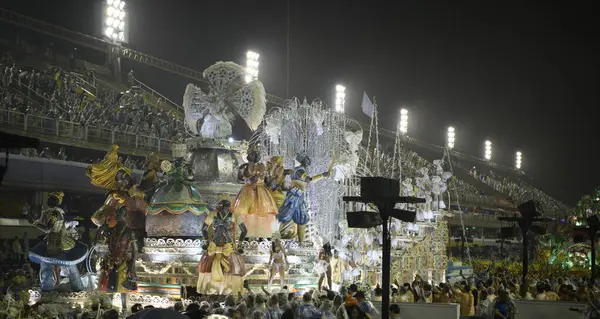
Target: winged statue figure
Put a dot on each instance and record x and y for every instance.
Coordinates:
(210, 114)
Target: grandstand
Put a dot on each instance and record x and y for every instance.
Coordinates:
(87, 104)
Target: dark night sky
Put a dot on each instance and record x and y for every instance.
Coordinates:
(523, 75)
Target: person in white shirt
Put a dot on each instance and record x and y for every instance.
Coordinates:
(490, 294)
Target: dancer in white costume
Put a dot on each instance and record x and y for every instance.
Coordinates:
(278, 260)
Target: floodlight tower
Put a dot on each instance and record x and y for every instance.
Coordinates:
(488, 150)
(400, 133)
(518, 160)
(340, 98)
(114, 21)
(451, 138)
(251, 66)
(114, 28)
(403, 125)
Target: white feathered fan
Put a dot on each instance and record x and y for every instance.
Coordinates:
(227, 94)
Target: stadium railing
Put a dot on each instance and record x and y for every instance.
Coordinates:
(41, 125)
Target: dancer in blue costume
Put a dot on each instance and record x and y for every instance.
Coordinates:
(59, 249)
(293, 214)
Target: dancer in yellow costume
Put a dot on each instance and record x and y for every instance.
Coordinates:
(254, 201)
(222, 266)
(113, 176)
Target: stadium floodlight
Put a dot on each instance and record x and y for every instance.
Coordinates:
(114, 20)
(403, 126)
(340, 98)
(451, 138)
(488, 150)
(518, 160)
(251, 66)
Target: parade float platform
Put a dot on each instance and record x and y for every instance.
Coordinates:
(168, 264)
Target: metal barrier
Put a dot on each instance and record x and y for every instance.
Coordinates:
(47, 126)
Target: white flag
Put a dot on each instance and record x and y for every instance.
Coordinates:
(366, 106)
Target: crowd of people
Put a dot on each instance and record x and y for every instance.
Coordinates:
(519, 191)
(60, 94)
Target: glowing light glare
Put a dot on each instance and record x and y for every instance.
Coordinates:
(340, 98)
(230, 140)
(114, 20)
(488, 150)
(403, 126)
(251, 66)
(451, 137)
(518, 160)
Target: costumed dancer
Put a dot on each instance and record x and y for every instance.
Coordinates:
(113, 176)
(277, 260)
(325, 255)
(275, 179)
(222, 266)
(254, 202)
(59, 250)
(293, 214)
(178, 194)
(118, 267)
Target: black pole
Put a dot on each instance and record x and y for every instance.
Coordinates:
(462, 248)
(525, 262)
(593, 239)
(502, 248)
(385, 267)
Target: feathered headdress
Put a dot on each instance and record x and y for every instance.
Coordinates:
(58, 195)
(103, 173)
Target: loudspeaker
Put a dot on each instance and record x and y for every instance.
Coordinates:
(363, 219)
(593, 221)
(530, 209)
(372, 187)
(507, 232)
(538, 229)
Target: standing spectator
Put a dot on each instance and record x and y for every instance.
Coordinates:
(504, 308)
(273, 312)
(61, 154)
(307, 310)
(17, 250)
(363, 304)
(395, 311)
(130, 78)
(25, 245)
(73, 59)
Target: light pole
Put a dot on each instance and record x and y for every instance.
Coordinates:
(251, 66)
(340, 98)
(114, 20)
(383, 193)
(403, 125)
(518, 160)
(114, 29)
(450, 138)
(400, 133)
(488, 150)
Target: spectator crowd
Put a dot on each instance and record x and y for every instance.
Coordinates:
(60, 94)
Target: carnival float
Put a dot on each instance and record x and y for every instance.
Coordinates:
(266, 212)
